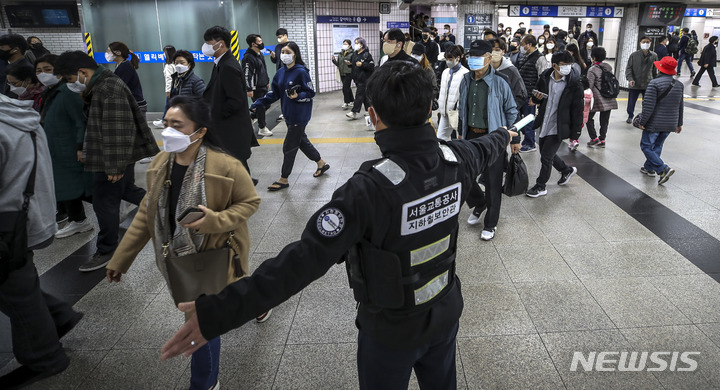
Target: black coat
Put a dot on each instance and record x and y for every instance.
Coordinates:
(673, 43)
(570, 106)
(432, 50)
(227, 96)
(360, 74)
(708, 56)
(661, 51)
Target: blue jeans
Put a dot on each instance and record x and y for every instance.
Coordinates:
(651, 145)
(687, 58)
(633, 95)
(205, 365)
(529, 139)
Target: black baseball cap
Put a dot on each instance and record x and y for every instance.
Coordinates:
(479, 48)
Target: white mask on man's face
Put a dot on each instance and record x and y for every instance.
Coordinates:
(645, 46)
(77, 86)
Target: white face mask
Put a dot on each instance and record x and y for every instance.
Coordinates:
(109, 57)
(447, 31)
(522, 50)
(345, 46)
(451, 63)
(181, 68)
(417, 57)
(175, 141)
(287, 59)
(48, 79)
(550, 46)
(645, 46)
(590, 44)
(570, 35)
(77, 86)
(208, 49)
(280, 40)
(565, 70)
(358, 47)
(17, 90)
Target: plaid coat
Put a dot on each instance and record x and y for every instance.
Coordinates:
(117, 134)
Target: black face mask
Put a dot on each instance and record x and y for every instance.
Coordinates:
(37, 46)
(260, 46)
(425, 36)
(4, 55)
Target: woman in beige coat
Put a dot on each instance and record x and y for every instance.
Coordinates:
(201, 176)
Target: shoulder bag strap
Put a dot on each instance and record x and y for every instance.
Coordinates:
(667, 91)
(30, 187)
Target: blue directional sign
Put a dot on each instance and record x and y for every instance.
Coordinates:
(696, 12)
(565, 11)
(150, 57)
(470, 19)
(539, 10)
(398, 24)
(347, 19)
(600, 12)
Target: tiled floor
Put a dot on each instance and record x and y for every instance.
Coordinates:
(568, 272)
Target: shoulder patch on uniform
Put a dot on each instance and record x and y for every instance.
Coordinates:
(330, 222)
(448, 154)
(390, 170)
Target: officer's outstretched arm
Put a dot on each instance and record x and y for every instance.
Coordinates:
(328, 235)
(480, 152)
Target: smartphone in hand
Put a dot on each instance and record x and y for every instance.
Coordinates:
(544, 95)
(190, 215)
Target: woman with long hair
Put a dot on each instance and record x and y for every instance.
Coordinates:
(418, 53)
(193, 174)
(578, 64)
(344, 64)
(126, 67)
(362, 67)
(168, 70)
(293, 85)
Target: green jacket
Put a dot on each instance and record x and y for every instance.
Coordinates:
(63, 119)
(117, 134)
(344, 68)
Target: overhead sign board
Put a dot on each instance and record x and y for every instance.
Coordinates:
(696, 12)
(475, 24)
(565, 11)
(398, 25)
(347, 19)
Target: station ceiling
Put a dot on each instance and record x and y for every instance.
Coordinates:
(690, 3)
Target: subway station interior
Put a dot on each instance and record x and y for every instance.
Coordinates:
(609, 266)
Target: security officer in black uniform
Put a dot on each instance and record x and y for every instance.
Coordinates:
(395, 225)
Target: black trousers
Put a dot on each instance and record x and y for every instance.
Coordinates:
(34, 316)
(711, 72)
(360, 98)
(604, 120)
(549, 146)
(294, 140)
(347, 90)
(106, 204)
(260, 111)
(383, 368)
(74, 209)
(492, 197)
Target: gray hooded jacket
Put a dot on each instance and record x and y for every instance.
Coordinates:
(17, 121)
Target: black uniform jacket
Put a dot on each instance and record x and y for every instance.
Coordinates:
(359, 209)
(229, 110)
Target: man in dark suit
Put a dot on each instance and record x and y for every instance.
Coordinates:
(227, 97)
(589, 33)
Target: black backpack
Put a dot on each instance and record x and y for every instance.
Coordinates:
(609, 86)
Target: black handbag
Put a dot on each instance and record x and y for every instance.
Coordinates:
(516, 176)
(13, 228)
(636, 120)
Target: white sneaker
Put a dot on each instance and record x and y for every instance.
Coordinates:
(487, 235)
(73, 228)
(345, 106)
(217, 386)
(351, 115)
(159, 124)
(263, 317)
(146, 160)
(474, 219)
(265, 132)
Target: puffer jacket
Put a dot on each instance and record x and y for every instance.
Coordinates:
(450, 89)
(188, 84)
(600, 103)
(512, 76)
(529, 71)
(360, 74)
(666, 115)
(640, 68)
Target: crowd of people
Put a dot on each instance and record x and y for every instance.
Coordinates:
(87, 125)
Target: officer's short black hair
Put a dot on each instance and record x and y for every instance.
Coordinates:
(281, 31)
(14, 40)
(562, 34)
(401, 94)
(217, 33)
(562, 56)
(71, 61)
(395, 34)
(598, 53)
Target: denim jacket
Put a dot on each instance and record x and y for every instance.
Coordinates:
(502, 109)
